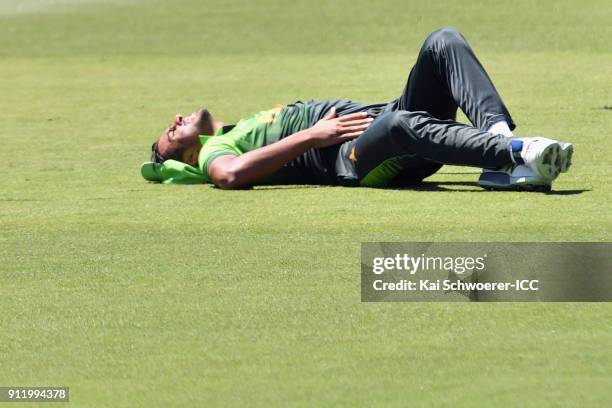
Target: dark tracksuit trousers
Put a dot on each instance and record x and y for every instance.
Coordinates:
(417, 133)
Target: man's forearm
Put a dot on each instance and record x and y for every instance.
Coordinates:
(253, 166)
(238, 171)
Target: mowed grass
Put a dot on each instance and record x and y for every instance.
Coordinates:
(140, 295)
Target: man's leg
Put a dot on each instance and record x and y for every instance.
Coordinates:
(402, 140)
(448, 75)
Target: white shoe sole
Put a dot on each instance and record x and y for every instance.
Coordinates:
(516, 187)
(554, 159)
(565, 156)
(504, 180)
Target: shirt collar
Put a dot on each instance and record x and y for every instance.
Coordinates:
(221, 131)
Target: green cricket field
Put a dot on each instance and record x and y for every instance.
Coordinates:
(136, 294)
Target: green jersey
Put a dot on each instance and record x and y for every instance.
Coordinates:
(315, 166)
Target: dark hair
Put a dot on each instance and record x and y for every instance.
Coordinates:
(156, 157)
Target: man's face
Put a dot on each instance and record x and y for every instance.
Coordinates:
(183, 134)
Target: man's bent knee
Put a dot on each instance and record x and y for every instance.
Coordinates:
(444, 37)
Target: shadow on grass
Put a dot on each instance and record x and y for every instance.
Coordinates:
(447, 187)
(567, 192)
(443, 186)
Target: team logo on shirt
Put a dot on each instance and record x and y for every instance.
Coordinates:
(352, 156)
(271, 115)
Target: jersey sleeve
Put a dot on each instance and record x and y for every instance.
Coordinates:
(215, 147)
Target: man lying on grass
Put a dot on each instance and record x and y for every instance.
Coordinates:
(339, 142)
